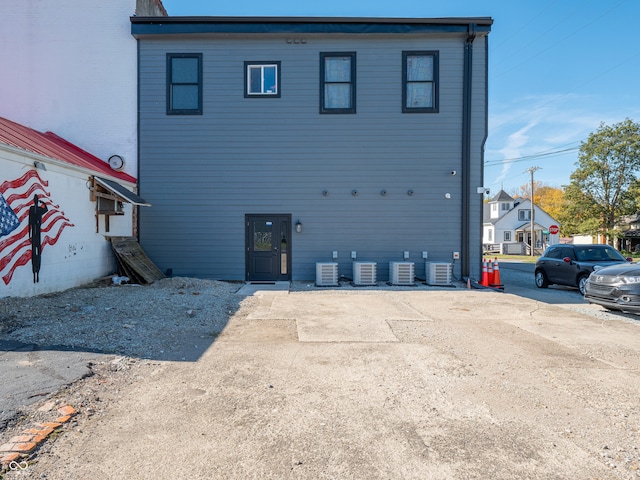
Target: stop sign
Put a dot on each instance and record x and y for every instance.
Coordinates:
(553, 229)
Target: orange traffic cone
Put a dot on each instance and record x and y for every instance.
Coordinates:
(489, 272)
(485, 274)
(496, 275)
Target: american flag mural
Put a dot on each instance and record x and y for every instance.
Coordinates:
(16, 199)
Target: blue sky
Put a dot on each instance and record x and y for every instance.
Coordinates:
(557, 69)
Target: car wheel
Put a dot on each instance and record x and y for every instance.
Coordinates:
(541, 279)
(581, 283)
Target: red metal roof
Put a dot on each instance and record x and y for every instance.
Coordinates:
(50, 145)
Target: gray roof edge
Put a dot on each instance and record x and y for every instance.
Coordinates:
(484, 21)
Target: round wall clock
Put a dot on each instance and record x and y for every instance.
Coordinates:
(116, 162)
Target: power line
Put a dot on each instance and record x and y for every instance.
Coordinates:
(531, 157)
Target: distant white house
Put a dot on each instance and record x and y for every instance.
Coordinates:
(507, 225)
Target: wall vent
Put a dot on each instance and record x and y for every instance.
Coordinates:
(401, 273)
(327, 274)
(438, 273)
(364, 273)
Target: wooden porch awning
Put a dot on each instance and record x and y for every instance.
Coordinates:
(121, 192)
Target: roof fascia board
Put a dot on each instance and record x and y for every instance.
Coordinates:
(59, 163)
(141, 26)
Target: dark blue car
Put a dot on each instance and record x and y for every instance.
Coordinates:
(571, 265)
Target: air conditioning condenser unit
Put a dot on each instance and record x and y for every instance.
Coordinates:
(401, 273)
(327, 274)
(438, 273)
(364, 273)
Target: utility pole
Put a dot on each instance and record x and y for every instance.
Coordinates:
(533, 236)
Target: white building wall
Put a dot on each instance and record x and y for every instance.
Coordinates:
(80, 254)
(69, 66)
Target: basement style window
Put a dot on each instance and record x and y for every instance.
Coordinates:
(338, 82)
(184, 84)
(420, 82)
(262, 79)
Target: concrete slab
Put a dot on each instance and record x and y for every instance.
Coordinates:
(251, 288)
(333, 316)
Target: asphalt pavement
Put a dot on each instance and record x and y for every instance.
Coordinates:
(29, 372)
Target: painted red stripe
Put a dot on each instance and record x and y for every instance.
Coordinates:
(14, 238)
(19, 182)
(14, 197)
(4, 261)
(23, 260)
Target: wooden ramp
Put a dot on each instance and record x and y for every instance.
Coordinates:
(133, 262)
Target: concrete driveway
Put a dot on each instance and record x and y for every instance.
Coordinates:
(368, 384)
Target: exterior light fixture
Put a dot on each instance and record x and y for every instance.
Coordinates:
(298, 227)
(40, 165)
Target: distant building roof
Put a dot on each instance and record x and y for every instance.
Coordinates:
(502, 196)
(50, 145)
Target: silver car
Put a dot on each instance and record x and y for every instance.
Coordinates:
(615, 288)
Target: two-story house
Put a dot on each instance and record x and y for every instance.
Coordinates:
(270, 144)
(508, 226)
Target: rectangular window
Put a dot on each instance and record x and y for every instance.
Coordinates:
(505, 206)
(420, 82)
(507, 236)
(338, 82)
(262, 79)
(524, 215)
(184, 84)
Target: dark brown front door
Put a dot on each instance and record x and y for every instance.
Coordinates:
(268, 247)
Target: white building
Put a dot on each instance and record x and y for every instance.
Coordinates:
(59, 206)
(507, 225)
(70, 67)
(69, 87)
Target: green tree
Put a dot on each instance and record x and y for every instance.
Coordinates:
(603, 186)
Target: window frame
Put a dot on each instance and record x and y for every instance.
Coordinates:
(352, 82)
(435, 81)
(507, 236)
(247, 67)
(525, 214)
(170, 84)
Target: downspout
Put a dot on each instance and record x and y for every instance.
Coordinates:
(466, 149)
(137, 211)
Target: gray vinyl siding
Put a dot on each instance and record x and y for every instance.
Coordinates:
(203, 173)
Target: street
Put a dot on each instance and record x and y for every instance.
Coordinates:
(517, 278)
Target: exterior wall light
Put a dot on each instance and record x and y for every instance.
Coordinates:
(298, 227)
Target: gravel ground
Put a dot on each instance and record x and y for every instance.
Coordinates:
(128, 320)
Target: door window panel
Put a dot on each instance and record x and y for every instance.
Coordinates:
(262, 236)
